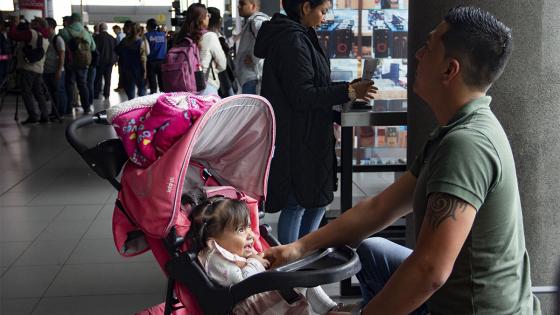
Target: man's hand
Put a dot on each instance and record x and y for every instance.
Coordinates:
(281, 255)
(262, 260)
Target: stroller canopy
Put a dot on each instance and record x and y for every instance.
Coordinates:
(234, 141)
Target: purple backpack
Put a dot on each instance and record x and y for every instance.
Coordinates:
(181, 71)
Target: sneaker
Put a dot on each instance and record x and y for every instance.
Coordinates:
(29, 121)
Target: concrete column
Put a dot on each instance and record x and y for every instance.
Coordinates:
(526, 100)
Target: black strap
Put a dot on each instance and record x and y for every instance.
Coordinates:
(121, 207)
(290, 296)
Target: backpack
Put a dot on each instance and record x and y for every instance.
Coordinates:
(227, 78)
(181, 71)
(32, 55)
(80, 51)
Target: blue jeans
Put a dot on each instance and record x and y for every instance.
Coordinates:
(380, 258)
(57, 91)
(209, 90)
(250, 87)
(296, 221)
(78, 77)
(132, 80)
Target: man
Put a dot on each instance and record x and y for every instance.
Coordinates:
(31, 72)
(107, 58)
(470, 256)
(54, 68)
(248, 67)
(158, 48)
(122, 35)
(118, 33)
(77, 72)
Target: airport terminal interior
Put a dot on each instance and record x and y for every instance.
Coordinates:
(57, 251)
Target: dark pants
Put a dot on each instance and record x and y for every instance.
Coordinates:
(31, 84)
(91, 74)
(154, 74)
(79, 77)
(104, 72)
(132, 79)
(56, 91)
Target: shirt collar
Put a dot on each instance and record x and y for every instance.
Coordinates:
(467, 110)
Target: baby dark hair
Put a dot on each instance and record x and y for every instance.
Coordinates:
(211, 216)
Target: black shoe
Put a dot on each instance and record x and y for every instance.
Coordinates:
(29, 121)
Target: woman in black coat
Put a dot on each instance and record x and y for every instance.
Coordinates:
(296, 81)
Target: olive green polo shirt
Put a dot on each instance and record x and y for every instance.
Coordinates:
(471, 159)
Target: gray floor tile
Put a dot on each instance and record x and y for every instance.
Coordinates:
(22, 231)
(100, 229)
(9, 252)
(17, 306)
(68, 197)
(11, 214)
(27, 282)
(98, 251)
(16, 198)
(78, 213)
(47, 253)
(99, 279)
(61, 230)
(96, 305)
(107, 211)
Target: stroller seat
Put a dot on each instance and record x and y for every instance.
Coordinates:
(230, 145)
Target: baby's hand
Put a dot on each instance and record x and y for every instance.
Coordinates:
(260, 258)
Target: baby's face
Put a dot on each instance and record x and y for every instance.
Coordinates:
(238, 241)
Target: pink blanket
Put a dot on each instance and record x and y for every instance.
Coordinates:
(149, 131)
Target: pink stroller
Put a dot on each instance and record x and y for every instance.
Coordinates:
(228, 151)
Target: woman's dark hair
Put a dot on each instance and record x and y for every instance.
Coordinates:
(191, 27)
(480, 42)
(211, 216)
(151, 24)
(133, 31)
(293, 7)
(215, 22)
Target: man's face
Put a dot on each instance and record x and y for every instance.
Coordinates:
(246, 8)
(431, 64)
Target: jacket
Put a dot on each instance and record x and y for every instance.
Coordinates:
(248, 35)
(106, 48)
(76, 29)
(296, 81)
(212, 57)
(29, 37)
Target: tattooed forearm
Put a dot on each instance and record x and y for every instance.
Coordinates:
(442, 206)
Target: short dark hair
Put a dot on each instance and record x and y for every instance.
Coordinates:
(215, 18)
(209, 217)
(51, 22)
(293, 7)
(151, 24)
(480, 42)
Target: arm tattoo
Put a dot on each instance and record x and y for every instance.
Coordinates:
(442, 206)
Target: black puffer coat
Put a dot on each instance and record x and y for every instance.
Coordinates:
(296, 81)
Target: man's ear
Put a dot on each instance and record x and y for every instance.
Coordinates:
(452, 72)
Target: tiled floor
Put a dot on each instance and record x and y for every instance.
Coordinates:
(56, 250)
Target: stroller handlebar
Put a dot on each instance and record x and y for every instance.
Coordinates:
(86, 120)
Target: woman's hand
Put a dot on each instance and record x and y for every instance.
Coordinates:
(365, 89)
(281, 255)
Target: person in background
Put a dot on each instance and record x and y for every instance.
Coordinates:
(247, 66)
(125, 32)
(92, 69)
(77, 74)
(107, 57)
(470, 255)
(132, 53)
(226, 77)
(119, 34)
(31, 73)
(212, 56)
(53, 74)
(5, 51)
(158, 49)
(296, 81)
